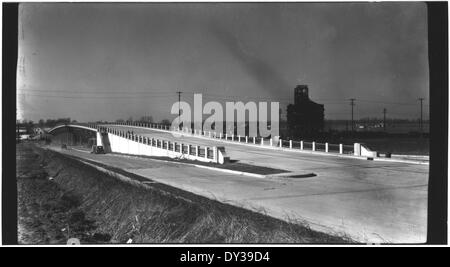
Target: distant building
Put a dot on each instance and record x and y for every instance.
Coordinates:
(304, 117)
(38, 131)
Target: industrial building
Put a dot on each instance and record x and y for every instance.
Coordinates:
(304, 117)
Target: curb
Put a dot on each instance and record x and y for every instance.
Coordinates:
(255, 175)
(231, 171)
(402, 161)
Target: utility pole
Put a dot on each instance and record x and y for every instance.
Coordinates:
(179, 108)
(421, 114)
(384, 119)
(352, 103)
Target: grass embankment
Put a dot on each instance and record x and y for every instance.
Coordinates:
(48, 214)
(118, 210)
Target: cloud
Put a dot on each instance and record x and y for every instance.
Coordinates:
(261, 71)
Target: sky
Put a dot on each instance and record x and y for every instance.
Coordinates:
(113, 61)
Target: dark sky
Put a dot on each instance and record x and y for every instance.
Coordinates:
(112, 61)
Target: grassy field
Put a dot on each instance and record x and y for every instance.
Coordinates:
(48, 214)
(97, 207)
(395, 145)
(403, 145)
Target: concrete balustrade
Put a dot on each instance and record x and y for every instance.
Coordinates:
(126, 143)
(358, 149)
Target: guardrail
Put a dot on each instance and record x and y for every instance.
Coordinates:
(168, 147)
(271, 142)
(356, 149)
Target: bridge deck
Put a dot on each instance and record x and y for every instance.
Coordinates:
(380, 201)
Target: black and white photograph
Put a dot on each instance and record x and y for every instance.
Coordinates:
(140, 123)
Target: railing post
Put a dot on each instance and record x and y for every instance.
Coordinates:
(301, 145)
(220, 136)
(271, 141)
(313, 146)
(326, 147)
(226, 137)
(290, 144)
(215, 154)
(206, 152)
(174, 146)
(189, 149)
(341, 149)
(262, 141)
(281, 143)
(246, 139)
(239, 138)
(232, 137)
(197, 151)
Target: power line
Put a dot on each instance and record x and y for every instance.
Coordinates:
(108, 92)
(95, 91)
(93, 97)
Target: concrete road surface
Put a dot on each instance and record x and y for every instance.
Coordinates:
(369, 201)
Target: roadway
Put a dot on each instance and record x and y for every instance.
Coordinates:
(368, 200)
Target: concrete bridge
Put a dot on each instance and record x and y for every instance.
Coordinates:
(369, 200)
(126, 142)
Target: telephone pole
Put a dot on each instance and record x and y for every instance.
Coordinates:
(352, 103)
(179, 108)
(384, 119)
(421, 114)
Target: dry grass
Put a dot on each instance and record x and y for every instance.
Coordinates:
(157, 213)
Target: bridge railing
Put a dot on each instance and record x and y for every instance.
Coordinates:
(183, 150)
(301, 145)
(271, 142)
